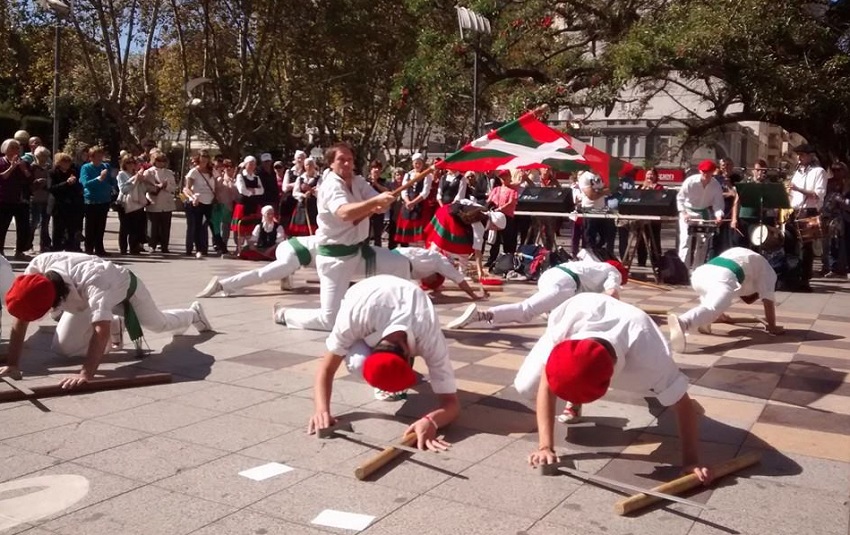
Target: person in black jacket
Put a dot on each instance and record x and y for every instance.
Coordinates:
(68, 204)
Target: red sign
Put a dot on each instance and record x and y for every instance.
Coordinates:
(665, 176)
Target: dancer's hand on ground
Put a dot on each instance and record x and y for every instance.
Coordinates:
(69, 383)
(426, 436)
(542, 456)
(775, 329)
(703, 473)
(320, 420)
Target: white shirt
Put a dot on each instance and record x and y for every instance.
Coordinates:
(333, 194)
(644, 363)
(373, 304)
(93, 283)
(461, 191)
(590, 180)
(811, 178)
(694, 196)
(203, 185)
(424, 263)
(289, 179)
(759, 276)
(296, 188)
(243, 188)
(596, 277)
(426, 186)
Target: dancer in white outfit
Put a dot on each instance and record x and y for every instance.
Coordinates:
(737, 272)
(87, 289)
(345, 202)
(556, 285)
(700, 197)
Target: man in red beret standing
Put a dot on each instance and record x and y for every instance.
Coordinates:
(385, 321)
(87, 289)
(700, 197)
(556, 285)
(594, 341)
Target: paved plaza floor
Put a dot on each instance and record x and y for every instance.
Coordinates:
(167, 459)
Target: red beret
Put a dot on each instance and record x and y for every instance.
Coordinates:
(435, 282)
(30, 297)
(707, 166)
(579, 371)
(624, 273)
(388, 372)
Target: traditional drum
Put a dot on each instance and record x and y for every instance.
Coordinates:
(766, 237)
(810, 229)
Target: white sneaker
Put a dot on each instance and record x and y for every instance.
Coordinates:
(201, 323)
(212, 288)
(571, 414)
(677, 334)
(286, 283)
(383, 395)
(470, 315)
(278, 313)
(199, 255)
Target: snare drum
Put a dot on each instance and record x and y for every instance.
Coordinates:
(766, 237)
(810, 229)
(702, 226)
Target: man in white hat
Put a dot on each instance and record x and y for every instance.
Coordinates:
(345, 202)
(385, 322)
(736, 272)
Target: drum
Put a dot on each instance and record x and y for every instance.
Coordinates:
(702, 226)
(810, 229)
(766, 237)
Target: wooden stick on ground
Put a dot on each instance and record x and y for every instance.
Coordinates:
(655, 311)
(381, 459)
(685, 483)
(649, 285)
(95, 385)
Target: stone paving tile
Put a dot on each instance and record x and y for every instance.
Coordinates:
(245, 521)
(144, 511)
(219, 481)
(75, 440)
(282, 381)
(432, 515)
(158, 417)
(225, 398)
(15, 462)
(800, 471)
(229, 432)
(97, 404)
(26, 419)
(802, 441)
(153, 458)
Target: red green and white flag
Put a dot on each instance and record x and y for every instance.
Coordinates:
(527, 143)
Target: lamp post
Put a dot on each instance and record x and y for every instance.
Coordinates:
(191, 104)
(470, 20)
(61, 10)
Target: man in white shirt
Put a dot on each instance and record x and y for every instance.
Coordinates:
(87, 289)
(345, 203)
(737, 272)
(808, 190)
(383, 323)
(700, 197)
(594, 341)
(556, 285)
(598, 232)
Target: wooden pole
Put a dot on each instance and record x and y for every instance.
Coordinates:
(685, 483)
(656, 311)
(649, 285)
(95, 385)
(381, 459)
(418, 178)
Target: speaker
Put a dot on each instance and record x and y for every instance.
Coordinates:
(540, 199)
(648, 202)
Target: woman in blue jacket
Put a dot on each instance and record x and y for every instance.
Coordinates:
(98, 187)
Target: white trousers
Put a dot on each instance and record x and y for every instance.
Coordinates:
(335, 274)
(286, 263)
(717, 288)
(553, 288)
(684, 239)
(75, 330)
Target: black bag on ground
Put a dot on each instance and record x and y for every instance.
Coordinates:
(673, 270)
(504, 263)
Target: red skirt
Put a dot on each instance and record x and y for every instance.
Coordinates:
(243, 222)
(409, 227)
(303, 222)
(448, 233)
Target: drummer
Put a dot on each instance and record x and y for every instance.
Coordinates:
(808, 189)
(700, 197)
(749, 217)
(737, 272)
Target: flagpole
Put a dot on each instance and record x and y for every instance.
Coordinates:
(418, 178)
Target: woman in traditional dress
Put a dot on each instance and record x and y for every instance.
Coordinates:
(246, 213)
(306, 186)
(410, 225)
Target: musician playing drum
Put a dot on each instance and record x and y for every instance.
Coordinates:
(700, 197)
(808, 189)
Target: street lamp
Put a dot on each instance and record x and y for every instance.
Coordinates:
(470, 20)
(191, 104)
(61, 10)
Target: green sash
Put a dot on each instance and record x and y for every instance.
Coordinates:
(339, 251)
(303, 254)
(703, 213)
(572, 274)
(131, 320)
(730, 265)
